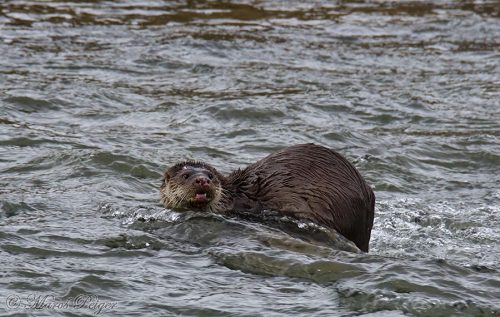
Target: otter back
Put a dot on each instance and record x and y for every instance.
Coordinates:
(308, 182)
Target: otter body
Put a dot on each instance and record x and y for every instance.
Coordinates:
(304, 181)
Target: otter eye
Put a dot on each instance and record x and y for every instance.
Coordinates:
(210, 175)
(185, 176)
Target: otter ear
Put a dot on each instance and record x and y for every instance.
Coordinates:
(166, 177)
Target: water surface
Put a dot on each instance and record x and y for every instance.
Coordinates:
(97, 98)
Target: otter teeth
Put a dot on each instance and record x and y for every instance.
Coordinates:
(200, 197)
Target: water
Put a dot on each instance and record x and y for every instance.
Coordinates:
(97, 98)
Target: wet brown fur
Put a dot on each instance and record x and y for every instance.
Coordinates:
(304, 181)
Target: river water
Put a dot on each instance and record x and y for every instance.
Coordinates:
(97, 98)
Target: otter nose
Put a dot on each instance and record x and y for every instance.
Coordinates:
(202, 181)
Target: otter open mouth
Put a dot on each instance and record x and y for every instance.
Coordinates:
(201, 197)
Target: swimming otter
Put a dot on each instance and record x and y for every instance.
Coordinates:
(304, 181)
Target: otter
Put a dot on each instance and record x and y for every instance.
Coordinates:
(304, 181)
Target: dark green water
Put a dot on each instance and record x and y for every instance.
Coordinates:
(97, 98)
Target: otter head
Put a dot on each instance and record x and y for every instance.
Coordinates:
(191, 185)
